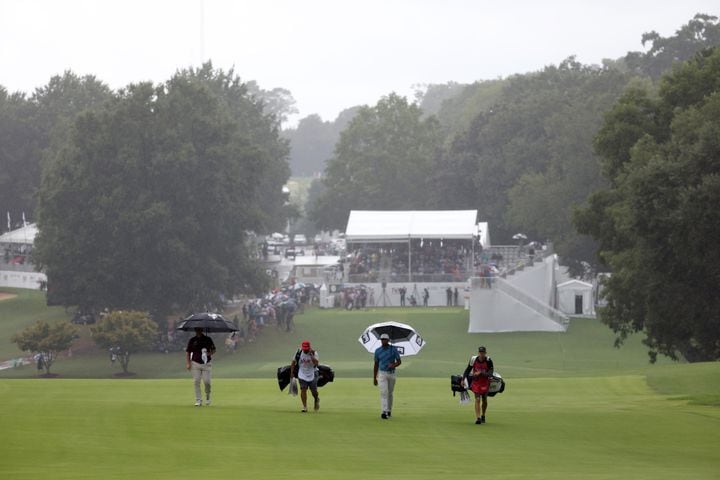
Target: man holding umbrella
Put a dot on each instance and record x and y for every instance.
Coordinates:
(198, 359)
(200, 348)
(387, 359)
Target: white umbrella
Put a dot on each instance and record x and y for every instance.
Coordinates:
(402, 336)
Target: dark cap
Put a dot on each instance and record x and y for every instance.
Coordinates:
(482, 349)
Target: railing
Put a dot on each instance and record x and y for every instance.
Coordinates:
(405, 278)
(17, 267)
(531, 302)
(515, 258)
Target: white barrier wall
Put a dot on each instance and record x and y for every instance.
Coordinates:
(494, 310)
(30, 280)
(392, 290)
(538, 280)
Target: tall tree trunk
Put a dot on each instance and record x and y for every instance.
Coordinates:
(124, 361)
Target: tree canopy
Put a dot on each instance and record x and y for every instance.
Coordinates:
(148, 202)
(657, 222)
(46, 341)
(313, 140)
(124, 333)
(28, 129)
(383, 160)
(527, 158)
(702, 32)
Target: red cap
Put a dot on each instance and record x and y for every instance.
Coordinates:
(305, 345)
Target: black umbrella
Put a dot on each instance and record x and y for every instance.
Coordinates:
(209, 322)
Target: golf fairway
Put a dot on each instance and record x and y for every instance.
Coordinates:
(578, 427)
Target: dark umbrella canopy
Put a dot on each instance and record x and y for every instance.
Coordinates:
(209, 322)
(402, 336)
(397, 333)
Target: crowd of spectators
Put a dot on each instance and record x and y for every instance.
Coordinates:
(277, 308)
(17, 254)
(433, 260)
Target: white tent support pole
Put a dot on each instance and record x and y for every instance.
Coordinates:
(472, 256)
(409, 259)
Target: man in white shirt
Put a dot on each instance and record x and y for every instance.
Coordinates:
(304, 365)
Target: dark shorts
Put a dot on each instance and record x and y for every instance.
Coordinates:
(304, 384)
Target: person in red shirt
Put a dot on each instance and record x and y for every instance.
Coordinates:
(478, 373)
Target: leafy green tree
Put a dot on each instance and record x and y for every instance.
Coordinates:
(460, 107)
(527, 158)
(46, 340)
(657, 222)
(124, 333)
(702, 32)
(21, 143)
(277, 103)
(383, 160)
(313, 140)
(28, 126)
(432, 97)
(148, 203)
(311, 144)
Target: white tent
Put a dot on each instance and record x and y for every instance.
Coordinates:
(575, 297)
(399, 226)
(24, 235)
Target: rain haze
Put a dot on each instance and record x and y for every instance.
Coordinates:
(329, 54)
(318, 239)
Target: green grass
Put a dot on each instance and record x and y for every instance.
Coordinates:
(575, 407)
(598, 427)
(586, 349)
(21, 311)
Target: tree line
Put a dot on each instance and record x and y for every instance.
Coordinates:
(618, 157)
(145, 196)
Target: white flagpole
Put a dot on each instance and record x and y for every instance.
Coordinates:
(9, 226)
(24, 222)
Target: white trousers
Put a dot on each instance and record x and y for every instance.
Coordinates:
(201, 371)
(386, 383)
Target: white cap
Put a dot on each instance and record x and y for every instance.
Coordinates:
(384, 336)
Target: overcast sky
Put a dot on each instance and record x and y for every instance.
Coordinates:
(329, 54)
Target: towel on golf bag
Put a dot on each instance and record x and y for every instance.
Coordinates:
(293, 390)
(458, 385)
(325, 375)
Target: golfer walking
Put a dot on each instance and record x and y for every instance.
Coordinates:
(478, 372)
(198, 359)
(387, 359)
(306, 360)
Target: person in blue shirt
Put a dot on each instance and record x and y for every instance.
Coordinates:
(387, 359)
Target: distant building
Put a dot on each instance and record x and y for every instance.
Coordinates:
(17, 269)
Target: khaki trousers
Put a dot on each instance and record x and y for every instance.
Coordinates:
(201, 371)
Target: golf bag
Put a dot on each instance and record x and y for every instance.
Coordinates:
(457, 384)
(497, 385)
(325, 375)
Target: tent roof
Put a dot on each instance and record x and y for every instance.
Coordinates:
(377, 225)
(321, 261)
(23, 235)
(575, 283)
